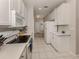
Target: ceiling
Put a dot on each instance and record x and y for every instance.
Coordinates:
(43, 7)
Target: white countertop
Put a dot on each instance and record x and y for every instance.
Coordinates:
(12, 51)
(61, 34)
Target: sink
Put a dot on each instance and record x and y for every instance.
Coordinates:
(20, 39)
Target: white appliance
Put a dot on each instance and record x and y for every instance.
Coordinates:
(49, 29)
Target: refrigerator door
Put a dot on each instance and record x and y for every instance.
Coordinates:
(49, 30)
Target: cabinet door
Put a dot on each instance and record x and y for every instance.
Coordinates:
(23, 56)
(65, 44)
(15, 5)
(52, 39)
(63, 14)
(4, 12)
(56, 43)
(22, 8)
(55, 15)
(62, 43)
(25, 17)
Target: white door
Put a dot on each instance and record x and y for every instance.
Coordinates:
(39, 27)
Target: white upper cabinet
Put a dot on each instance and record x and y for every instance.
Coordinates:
(12, 12)
(55, 15)
(63, 14)
(15, 5)
(4, 12)
(16, 19)
(17, 13)
(22, 8)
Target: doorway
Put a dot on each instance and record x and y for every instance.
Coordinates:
(39, 28)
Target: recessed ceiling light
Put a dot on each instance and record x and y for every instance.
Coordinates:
(40, 8)
(38, 16)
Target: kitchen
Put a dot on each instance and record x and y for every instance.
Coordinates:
(39, 29)
(15, 38)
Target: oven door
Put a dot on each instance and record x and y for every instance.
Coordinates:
(29, 50)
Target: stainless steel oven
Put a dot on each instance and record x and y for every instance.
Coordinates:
(29, 49)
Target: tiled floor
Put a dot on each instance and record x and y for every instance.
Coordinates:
(43, 51)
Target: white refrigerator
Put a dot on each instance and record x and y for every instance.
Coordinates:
(49, 29)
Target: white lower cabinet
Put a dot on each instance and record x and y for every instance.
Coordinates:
(22, 13)
(62, 43)
(23, 56)
(17, 13)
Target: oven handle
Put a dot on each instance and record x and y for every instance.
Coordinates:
(28, 45)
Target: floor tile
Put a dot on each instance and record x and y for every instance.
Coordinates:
(43, 51)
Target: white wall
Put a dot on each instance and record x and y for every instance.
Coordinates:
(77, 27)
(39, 26)
(30, 17)
(73, 24)
(74, 47)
